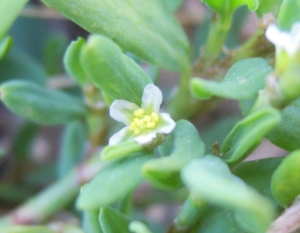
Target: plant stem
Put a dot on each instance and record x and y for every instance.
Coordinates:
(55, 197)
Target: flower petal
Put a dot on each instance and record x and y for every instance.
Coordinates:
(145, 138)
(119, 136)
(152, 97)
(168, 124)
(122, 111)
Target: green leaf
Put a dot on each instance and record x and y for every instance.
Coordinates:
(268, 6)
(19, 65)
(91, 222)
(286, 133)
(243, 81)
(72, 148)
(5, 46)
(288, 14)
(181, 146)
(41, 105)
(114, 181)
(113, 221)
(72, 61)
(218, 220)
(109, 68)
(247, 134)
(229, 6)
(137, 28)
(285, 181)
(258, 174)
(9, 12)
(138, 227)
(72, 229)
(210, 179)
(26, 229)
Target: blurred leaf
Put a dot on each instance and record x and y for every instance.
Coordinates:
(125, 205)
(26, 229)
(229, 6)
(91, 222)
(109, 68)
(8, 14)
(113, 221)
(72, 61)
(114, 181)
(288, 14)
(23, 141)
(285, 181)
(14, 194)
(218, 130)
(242, 81)
(173, 5)
(72, 148)
(268, 6)
(139, 28)
(19, 65)
(41, 105)
(210, 179)
(5, 46)
(138, 227)
(258, 174)
(54, 49)
(218, 220)
(246, 135)
(72, 229)
(185, 146)
(286, 133)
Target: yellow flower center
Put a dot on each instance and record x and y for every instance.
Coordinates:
(142, 121)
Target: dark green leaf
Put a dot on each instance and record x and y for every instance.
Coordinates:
(148, 29)
(181, 146)
(114, 181)
(243, 81)
(72, 148)
(5, 46)
(91, 222)
(109, 68)
(41, 105)
(18, 65)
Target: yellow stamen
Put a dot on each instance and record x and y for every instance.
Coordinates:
(154, 116)
(136, 131)
(132, 126)
(150, 125)
(139, 112)
(147, 118)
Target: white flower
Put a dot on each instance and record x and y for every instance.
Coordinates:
(142, 123)
(285, 41)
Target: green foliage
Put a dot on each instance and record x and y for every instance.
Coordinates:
(268, 6)
(286, 133)
(246, 135)
(113, 221)
(288, 14)
(116, 179)
(5, 46)
(116, 70)
(242, 81)
(26, 229)
(41, 105)
(17, 65)
(229, 6)
(72, 61)
(285, 181)
(9, 13)
(164, 172)
(210, 178)
(173, 5)
(72, 148)
(91, 222)
(147, 30)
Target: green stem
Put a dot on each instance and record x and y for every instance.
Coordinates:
(53, 198)
(219, 28)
